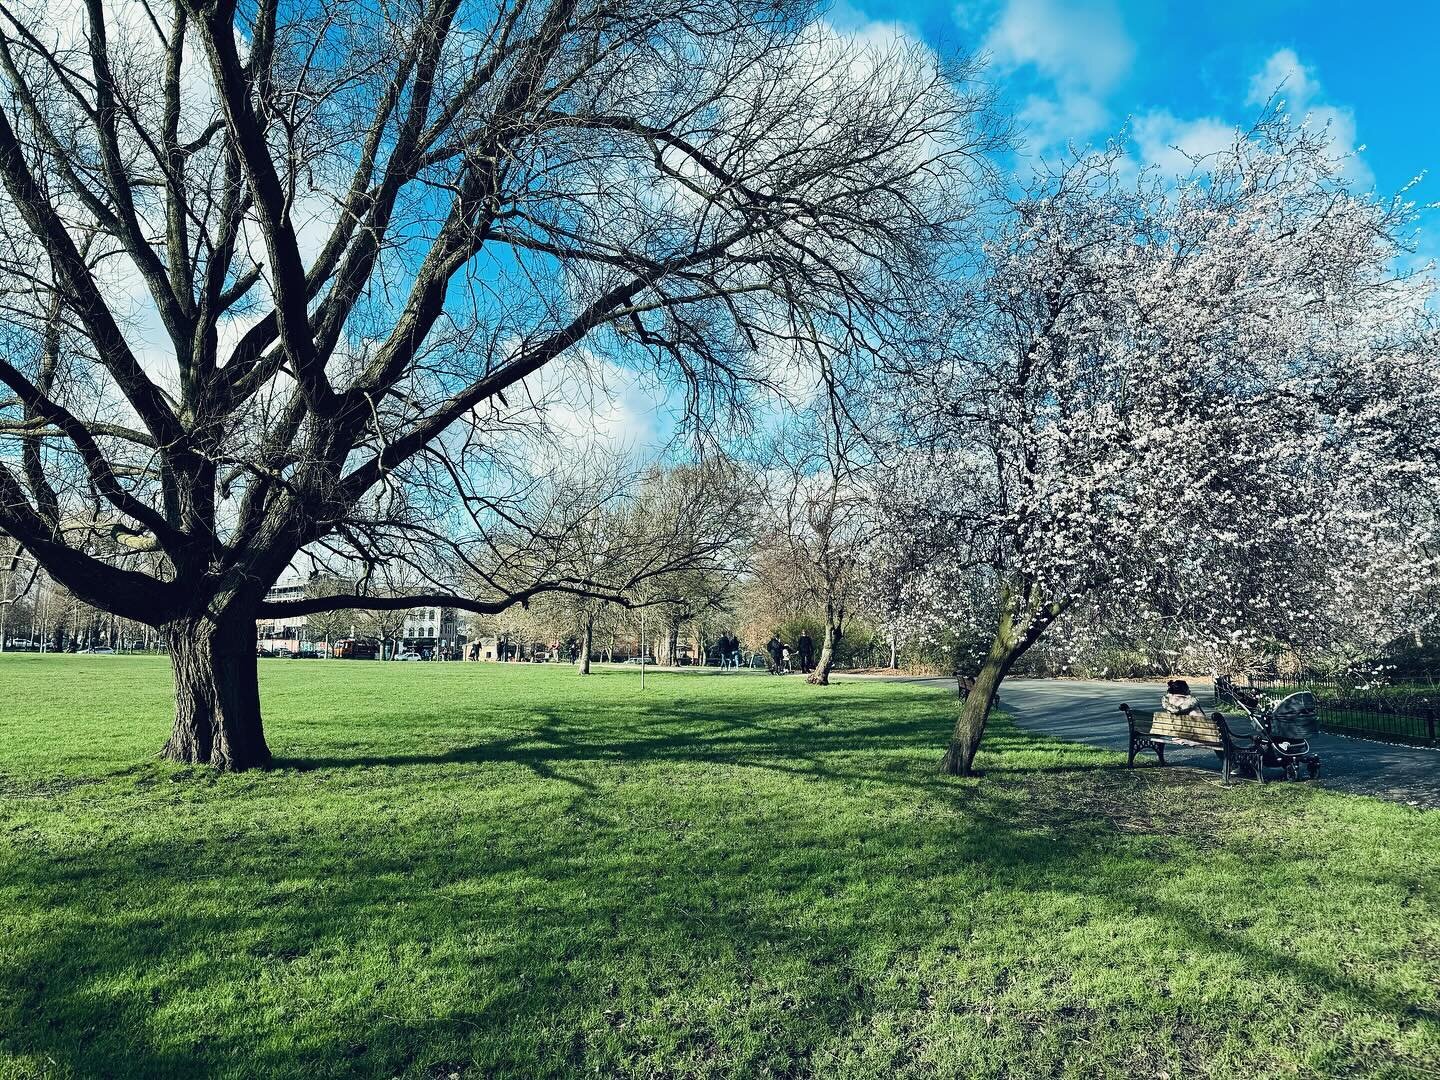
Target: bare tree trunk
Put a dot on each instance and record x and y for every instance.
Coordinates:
(217, 693)
(821, 675)
(975, 712)
(1007, 647)
(585, 637)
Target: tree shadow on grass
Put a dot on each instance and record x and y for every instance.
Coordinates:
(529, 1002)
(538, 956)
(677, 729)
(590, 935)
(653, 733)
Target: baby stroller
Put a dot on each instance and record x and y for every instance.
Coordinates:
(1283, 730)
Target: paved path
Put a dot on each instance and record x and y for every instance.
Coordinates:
(1089, 712)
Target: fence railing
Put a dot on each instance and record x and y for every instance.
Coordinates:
(1402, 711)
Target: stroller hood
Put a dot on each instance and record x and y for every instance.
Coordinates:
(1296, 717)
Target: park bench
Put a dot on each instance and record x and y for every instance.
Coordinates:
(1155, 731)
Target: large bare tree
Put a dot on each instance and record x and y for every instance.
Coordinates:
(280, 274)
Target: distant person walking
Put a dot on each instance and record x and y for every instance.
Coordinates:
(807, 653)
(776, 650)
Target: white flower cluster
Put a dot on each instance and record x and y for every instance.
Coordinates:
(1200, 416)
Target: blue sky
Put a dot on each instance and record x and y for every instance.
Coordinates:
(1175, 74)
(1185, 73)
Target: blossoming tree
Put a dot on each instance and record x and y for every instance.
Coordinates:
(1171, 401)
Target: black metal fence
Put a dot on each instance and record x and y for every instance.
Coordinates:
(1402, 711)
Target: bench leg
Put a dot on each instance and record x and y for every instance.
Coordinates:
(1140, 742)
(1239, 760)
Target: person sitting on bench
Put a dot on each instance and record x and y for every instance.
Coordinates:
(1177, 699)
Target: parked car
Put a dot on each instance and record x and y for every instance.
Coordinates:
(356, 649)
(409, 654)
(100, 650)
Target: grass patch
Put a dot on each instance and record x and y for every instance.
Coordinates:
(483, 870)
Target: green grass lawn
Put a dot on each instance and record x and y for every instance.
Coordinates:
(477, 870)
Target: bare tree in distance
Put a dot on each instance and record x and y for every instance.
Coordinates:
(689, 529)
(332, 624)
(18, 574)
(669, 538)
(821, 516)
(279, 275)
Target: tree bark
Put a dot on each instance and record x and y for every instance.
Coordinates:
(975, 712)
(1012, 638)
(834, 623)
(821, 675)
(217, 693)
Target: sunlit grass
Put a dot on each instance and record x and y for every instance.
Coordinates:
(510, 870)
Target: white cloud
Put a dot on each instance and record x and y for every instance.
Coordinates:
(1170, 142)
(1285, 77)
(846, 18)
(587, 401)
(1055, 121)
(1163, 139)
(1076, 44)
(1081, 49)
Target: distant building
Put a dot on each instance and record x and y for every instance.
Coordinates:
(430, 628)
(424, 628)
(287, 633)
(497, 649)
(485, 648)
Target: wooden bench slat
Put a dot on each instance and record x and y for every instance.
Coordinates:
(1155, 731)
(1191, 727)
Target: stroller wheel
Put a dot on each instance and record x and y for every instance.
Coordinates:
(1313, 769)
(1292, 771)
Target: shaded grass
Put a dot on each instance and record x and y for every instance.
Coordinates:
(499, 870)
